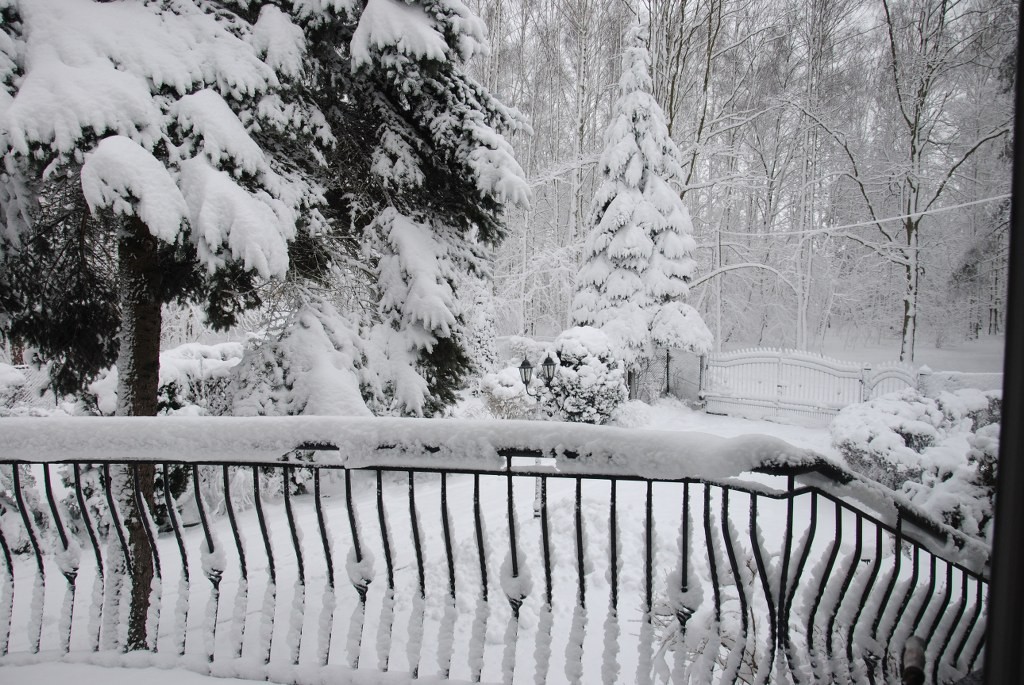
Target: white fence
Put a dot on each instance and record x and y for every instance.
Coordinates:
(792, 385)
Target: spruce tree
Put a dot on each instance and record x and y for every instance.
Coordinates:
(132, 170)
(637, 258)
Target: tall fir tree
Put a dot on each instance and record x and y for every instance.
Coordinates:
(637, 258)
(202, 149)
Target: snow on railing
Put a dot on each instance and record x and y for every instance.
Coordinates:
(673, 556)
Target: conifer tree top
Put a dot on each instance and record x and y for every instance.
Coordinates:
(638, 255)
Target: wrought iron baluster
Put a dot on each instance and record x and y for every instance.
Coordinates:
(542, 650)
(68, 562)
(269, 610)
(327, 613)
(927, 597)
(181, 606)
(210, 568)
(804, 554)
(416, 620)
(574, 667)
(115, 520)
(445, 645)
(515, 600)
(833, 553)
(581, 582)
(610, 663)
(884, 604)
(947, 595)
(294, 639)
(35, 631)
(360, 582)
(962, 605)
(782, 633)
(864, 595)
(683, 611)
(739, 648)
(762, 572)
(975, 613)
(981, 641)
(479, 635)
(897, 650)
(858, 547)
(242, 596)
(645, 661)
(7, 600)
(387, 606)
(712, 564)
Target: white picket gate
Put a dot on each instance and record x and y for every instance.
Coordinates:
(793, 385)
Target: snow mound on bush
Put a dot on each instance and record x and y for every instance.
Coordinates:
(505, 394)
(941, 453)
(884, 438)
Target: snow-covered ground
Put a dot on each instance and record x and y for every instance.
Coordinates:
(984, 355)
(88, 674)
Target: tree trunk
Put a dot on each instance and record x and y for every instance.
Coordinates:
(138, 368)
(912, 274)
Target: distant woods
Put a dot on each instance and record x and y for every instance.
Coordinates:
(845, 163)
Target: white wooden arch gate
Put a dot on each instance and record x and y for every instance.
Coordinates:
(792, 385)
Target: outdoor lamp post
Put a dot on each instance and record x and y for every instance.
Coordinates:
(547, 374)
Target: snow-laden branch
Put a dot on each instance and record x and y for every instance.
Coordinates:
(745, 265)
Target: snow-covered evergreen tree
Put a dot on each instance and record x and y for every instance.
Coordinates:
(135, 135)
(637, 258)
(416, 185)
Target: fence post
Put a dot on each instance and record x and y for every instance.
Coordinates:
(923, 380)
(701, 370)
(668, 371)
(778, 384)
(865, 391)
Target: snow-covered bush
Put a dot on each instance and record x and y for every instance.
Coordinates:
(11, 523)
(480, 328)
(311, 368)
(982, 407)
(590, 382)
(632, 414)
(12, 382)
(505, 395)
(940, 453)
(194, 379)
(884, 438)
(958, 481)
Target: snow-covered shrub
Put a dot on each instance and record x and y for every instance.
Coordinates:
(311, 368)
(884, 437)
(982, 407)
(480, 328)
(590, 382)
(12, 382)
(194, 379)
(11, 523)
(505, 395)
(941, 453)
(958, 481)
(632, 414)
(198, 376)
(522, 347)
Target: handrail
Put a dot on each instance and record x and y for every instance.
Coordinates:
(843, 619)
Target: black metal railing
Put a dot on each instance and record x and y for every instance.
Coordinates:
(703, 580)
